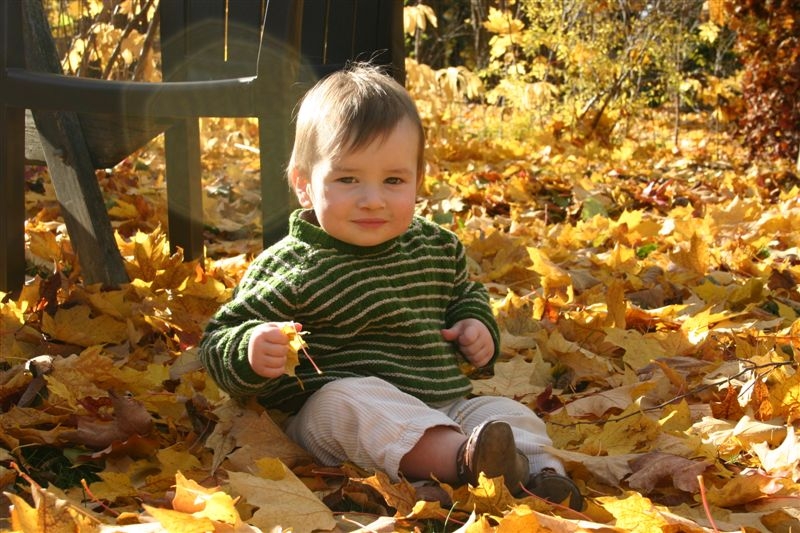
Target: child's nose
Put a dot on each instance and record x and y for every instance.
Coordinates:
(371, 197)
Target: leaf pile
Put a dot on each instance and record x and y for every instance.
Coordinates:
(647, 295)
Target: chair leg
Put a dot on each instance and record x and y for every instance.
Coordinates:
(71, 169)
(12, 162)
(277, 201)
(184, 188)
(12, 223)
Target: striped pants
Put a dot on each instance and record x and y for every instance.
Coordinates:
(373, 424)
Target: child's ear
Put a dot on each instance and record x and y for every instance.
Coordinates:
(301, 186)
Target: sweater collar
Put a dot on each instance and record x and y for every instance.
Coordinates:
(303, 225)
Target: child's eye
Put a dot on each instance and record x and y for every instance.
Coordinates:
(395, 181)
(346, 179)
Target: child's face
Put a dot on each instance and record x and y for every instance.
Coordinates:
(365, 197)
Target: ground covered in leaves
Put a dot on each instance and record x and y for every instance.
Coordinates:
(647, 292)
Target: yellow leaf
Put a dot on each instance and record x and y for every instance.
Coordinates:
(677, 418)
(220, 507)
(177, 522)
(76, 326)
(490, 496)
(296, 345)
(696, 258)
(89, 374)
(52, 512)
(271, 468)
(417, 17)
(175, 459)
(112, 303)
(616, 305)
(635, 513)
(204, 503)
(114, 485)
(785, 398)
(639, 349)
(400, 495)
(24, 518)
(631, 432)
(44, 244)
(503, 22)
(190, 496)
(521, 519)
(608, 469)
(122, 210)
(555, 280)
(709, 32)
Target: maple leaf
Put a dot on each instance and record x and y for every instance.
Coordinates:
(242, 435)
(631, 431)
(554, 279)
(640, 349)
(516, 378)
(749, 432)
(401, 496)
(284, 502)
(76, 326)
(191, 497)
(600, 403)
(296, 345)
(489, 496)
(51, 511)
(653, 468)
(743, 489)
(635, 513)
(785, 397)
(783, 461)
(171, 520)
(129, 418)
(608, 469)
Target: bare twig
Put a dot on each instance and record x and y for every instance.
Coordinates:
(129, 27)
(679, 397)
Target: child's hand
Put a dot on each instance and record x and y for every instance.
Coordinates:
(268, 348)
(474, 340)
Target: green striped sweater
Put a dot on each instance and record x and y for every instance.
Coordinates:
(368, 311)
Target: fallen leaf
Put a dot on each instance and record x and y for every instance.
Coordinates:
(76, 326)
(783, 461)
(655, 468)
(283, 503)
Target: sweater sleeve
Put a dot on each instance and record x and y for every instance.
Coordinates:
(263, 295)
(471, 300)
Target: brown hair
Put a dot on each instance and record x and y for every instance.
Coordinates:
(349, 109)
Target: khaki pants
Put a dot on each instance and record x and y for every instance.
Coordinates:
(373, 424)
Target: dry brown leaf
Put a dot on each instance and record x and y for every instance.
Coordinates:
(129, 418)
(516, 378)
(655, 468)
(243, 435)
(728, 407)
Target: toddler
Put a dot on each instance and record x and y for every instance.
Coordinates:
(388, 307)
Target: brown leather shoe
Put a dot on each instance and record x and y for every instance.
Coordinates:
(553, 487)
(491, 449)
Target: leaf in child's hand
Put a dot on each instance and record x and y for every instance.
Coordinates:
(296, 345)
